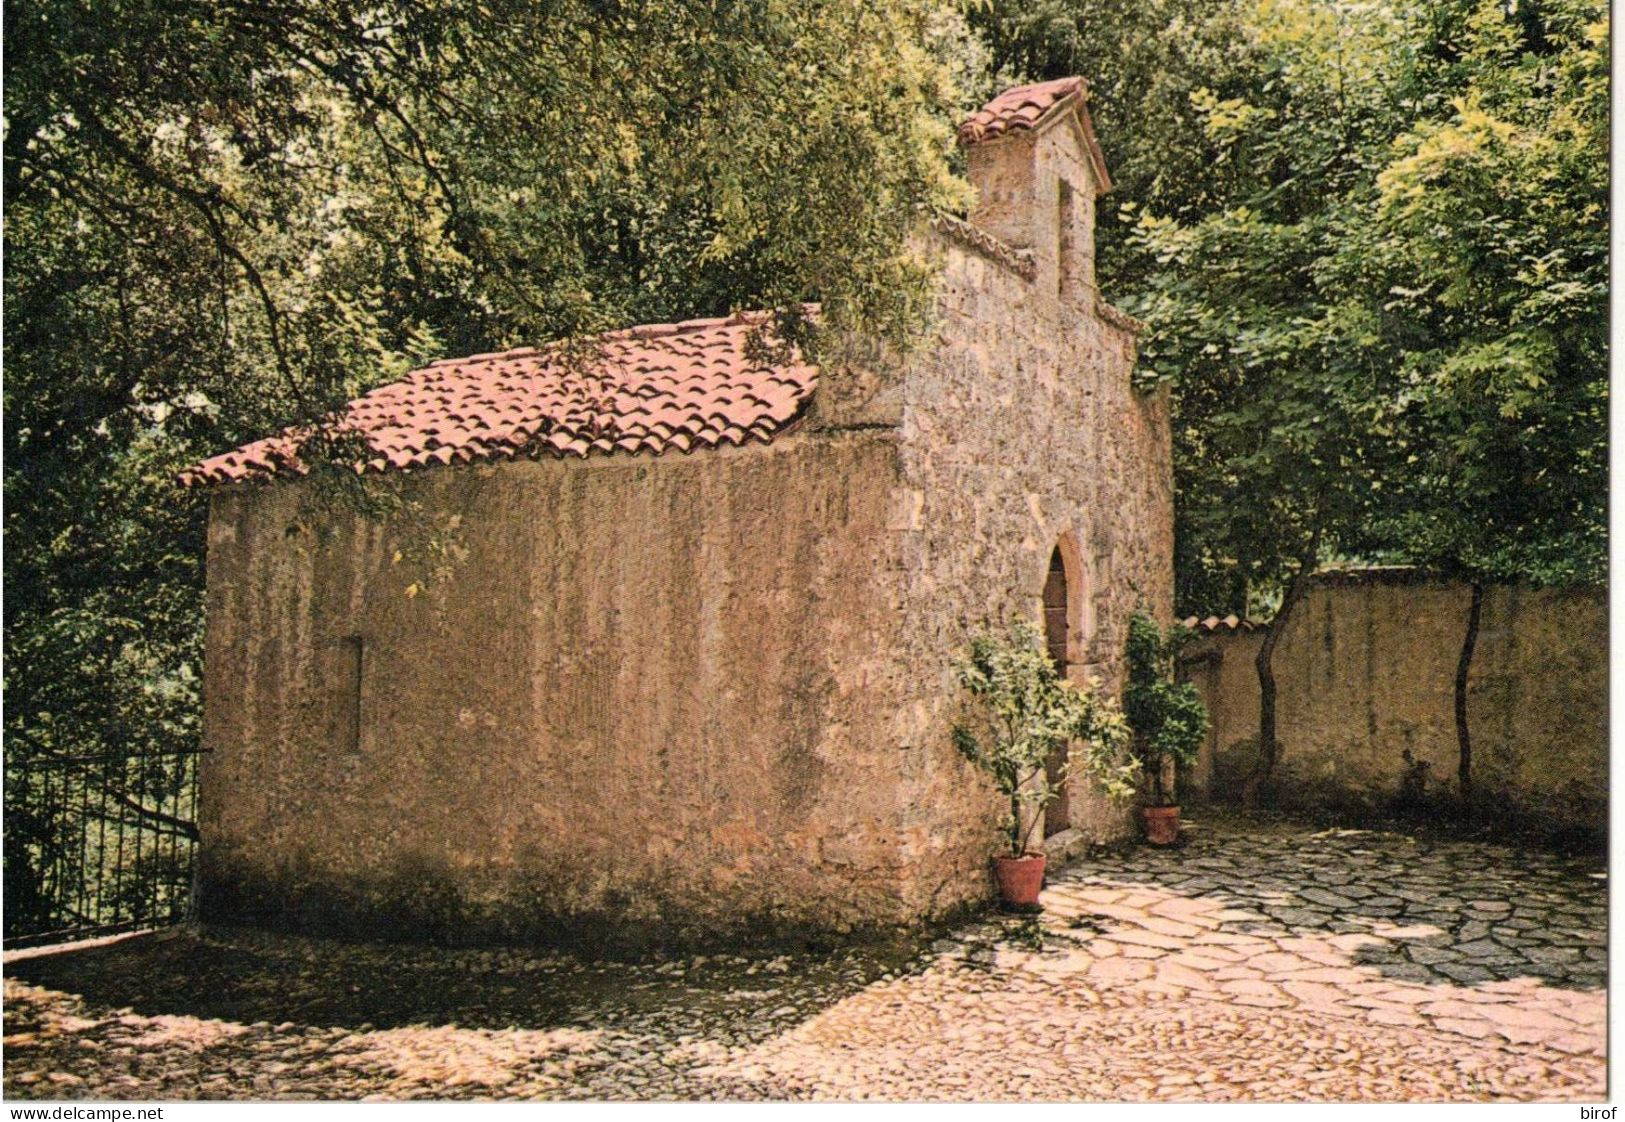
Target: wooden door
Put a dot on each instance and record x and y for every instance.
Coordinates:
(1058, 815)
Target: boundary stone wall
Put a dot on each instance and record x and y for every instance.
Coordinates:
(1366, 674)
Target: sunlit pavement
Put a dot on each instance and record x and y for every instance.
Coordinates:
(1259, 961)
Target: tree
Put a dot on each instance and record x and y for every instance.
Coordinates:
(1144, 60)
(1167, 717)
(1375, 278)
(1284, 403)
(1492, 231)
(1021, 708)
(223, 218)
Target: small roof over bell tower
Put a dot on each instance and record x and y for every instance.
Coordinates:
(1035, 108)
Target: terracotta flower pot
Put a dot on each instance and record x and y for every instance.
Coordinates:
(1019, 879)
(1161, 824)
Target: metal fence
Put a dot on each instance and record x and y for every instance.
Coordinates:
(96, 845)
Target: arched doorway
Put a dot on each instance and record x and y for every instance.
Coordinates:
(1057, 588)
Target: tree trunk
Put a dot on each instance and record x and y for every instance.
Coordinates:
(1269, 749)
(1464, 743)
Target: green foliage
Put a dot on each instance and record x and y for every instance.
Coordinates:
(1284, 397)
(1023, 709)
(1490, 235)
(99, 843)
(1369, 238)
(1145, 61)
(1168, 719)
(223, 218)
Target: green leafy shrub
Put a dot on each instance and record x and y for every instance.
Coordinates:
(1022, 709)
(1168, 719)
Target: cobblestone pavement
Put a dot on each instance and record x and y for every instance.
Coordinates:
(1258, 962)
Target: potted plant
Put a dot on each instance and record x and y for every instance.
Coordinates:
(1021, 708)
(1168, 719)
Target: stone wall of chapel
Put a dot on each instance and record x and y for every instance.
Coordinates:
(1020, 428)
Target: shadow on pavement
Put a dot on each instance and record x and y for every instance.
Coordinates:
(247, 976)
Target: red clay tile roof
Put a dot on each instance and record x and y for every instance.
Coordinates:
(1213, 624)
(1018, 108)
(1022, 108)
(646, 389)
(1019, 261)
(1117, 317)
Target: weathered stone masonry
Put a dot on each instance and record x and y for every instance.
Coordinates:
(690, 695)
(1366, 672)
(645, 683)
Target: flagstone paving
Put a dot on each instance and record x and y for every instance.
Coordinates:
(1258, 962)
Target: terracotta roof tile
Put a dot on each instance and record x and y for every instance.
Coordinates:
(1023, 108)
(1117, 317)
(1213, 624)
(646, 389)
(1020, 261)
(1018, 108)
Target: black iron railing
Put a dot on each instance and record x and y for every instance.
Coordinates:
(96, 845)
